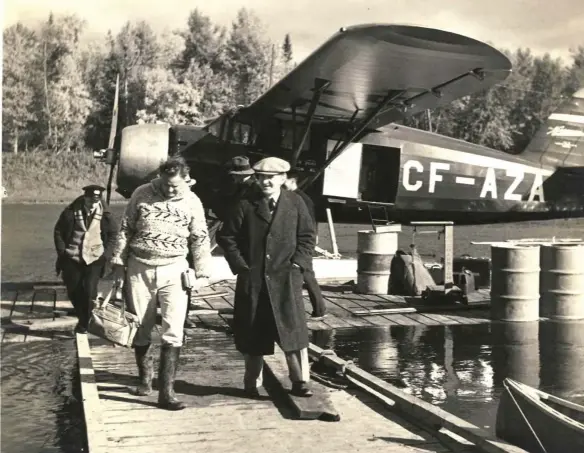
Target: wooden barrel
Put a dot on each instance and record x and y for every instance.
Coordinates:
(375, 251)
(562, 281)
(515, 282)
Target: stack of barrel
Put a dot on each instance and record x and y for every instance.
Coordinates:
(533, 281)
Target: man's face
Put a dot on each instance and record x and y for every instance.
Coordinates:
(173, 185)
(271, 184)
(91, 201)
(238, 179)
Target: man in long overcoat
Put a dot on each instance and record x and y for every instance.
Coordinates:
(268, 239)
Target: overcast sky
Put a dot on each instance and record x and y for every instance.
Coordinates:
(552, 26)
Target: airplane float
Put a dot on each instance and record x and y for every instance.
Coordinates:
(334, 117)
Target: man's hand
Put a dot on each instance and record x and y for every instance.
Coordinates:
(200, 283)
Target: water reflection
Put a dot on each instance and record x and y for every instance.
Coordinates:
(462, 367)
(562, 367)
(515, 352)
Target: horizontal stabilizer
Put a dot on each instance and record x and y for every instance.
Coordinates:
(559, 142)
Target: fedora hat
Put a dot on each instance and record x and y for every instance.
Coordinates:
(239, 165)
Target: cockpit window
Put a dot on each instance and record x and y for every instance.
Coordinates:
(230, 129)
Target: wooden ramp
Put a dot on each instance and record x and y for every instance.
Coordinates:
(219, 417)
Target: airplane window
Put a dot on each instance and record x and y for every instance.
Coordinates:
(216, 127)
(288, 137)
(242, 133)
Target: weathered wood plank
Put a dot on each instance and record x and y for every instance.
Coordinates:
(315, 407)
(219, 303)
(424, 319)
(220, 419)
(336, 307)
(443, 320)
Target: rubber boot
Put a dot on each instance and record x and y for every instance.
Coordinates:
(166, 374)
(145, 371)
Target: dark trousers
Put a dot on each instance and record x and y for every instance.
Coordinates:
(81, 282)
(316, 300)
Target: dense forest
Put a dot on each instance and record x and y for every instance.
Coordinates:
(58, 88)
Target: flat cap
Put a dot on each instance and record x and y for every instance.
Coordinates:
(271, 166)
(93, 190)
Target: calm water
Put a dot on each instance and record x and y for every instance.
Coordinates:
(461, 368)
(41, 409)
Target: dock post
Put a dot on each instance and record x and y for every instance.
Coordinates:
(331, 225)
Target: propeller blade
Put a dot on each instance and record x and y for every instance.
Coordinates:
(112, 139)
(114, 126)
(109, 182)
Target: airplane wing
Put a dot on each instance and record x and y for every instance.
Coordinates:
(380, 74)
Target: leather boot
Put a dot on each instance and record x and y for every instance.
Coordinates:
(166, 374)
(145, 371)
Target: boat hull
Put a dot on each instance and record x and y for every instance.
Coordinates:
(527, 417)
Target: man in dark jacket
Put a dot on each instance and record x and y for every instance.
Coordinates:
(84, 235)
(268, 241)
(314, 293)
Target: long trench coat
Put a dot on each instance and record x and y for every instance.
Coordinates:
(260, 249)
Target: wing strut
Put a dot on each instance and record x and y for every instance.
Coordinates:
(319, 86)
(392, 96)
(478, 73)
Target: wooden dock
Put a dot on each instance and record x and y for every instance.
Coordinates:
(219, 417)
(42, 311)
(347, 309)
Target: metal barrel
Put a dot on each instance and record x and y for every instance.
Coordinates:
(375, 250)
(562, 282)
(515, 282)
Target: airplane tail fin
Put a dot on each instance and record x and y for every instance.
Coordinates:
(559, 142)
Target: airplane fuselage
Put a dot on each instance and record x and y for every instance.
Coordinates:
(433, 177)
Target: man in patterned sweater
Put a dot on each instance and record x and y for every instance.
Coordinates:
(162, 221)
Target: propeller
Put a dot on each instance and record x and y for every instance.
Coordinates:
(112, 156)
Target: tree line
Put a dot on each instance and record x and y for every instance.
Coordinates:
(58, 89)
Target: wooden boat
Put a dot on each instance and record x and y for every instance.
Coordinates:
(538, 422)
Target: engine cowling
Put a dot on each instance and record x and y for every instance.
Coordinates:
(143, 148)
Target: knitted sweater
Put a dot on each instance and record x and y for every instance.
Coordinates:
(158, 231)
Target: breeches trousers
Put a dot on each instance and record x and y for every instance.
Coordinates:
(148, 285)
(81, 281)
(298, 368)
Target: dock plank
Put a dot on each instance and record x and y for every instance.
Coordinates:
(219, 418)
(336, 307)
(442, 319)
(219, 303)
